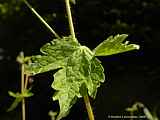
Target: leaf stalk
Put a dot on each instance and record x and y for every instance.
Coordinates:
(88, 107)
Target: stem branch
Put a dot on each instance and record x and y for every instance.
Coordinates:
(41, 19)
(68, 9)
(88, 107)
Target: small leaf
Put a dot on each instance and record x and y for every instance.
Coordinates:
(13, 94)
(52, 115)
(16, 101)
(14, 104)
(114, 45)
(27, 93)
(20, 58)
(18, 98)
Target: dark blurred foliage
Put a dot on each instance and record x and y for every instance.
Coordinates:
(130, 77)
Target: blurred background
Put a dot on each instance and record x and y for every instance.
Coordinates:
(130, 77)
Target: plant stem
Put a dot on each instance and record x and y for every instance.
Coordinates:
(68, 9)
(88, 107)
(41, 19)
(22, 88)
(26, 81)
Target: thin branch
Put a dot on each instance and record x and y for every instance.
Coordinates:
(41, 19)
(26, 81)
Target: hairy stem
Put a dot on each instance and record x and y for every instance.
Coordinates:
(22, 88)
(41, 19)
(68, 9)
(88, 107)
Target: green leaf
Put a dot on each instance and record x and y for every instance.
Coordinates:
(66, 100)
(13, 94)
(18, 98)
(52, 114)
(14, 104)
(81, 72)
(54, 55)
(97, 76)
(114, 45)
(27, 93)
(82, 68)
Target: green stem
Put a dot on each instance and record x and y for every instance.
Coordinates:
(41, 19)
(26, 81)
(88, 107)
(22, 88)
(68, 9)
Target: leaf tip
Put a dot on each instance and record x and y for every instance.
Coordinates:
(136, 47)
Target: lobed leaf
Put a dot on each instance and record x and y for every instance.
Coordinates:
(114, 45)
(81, 72)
